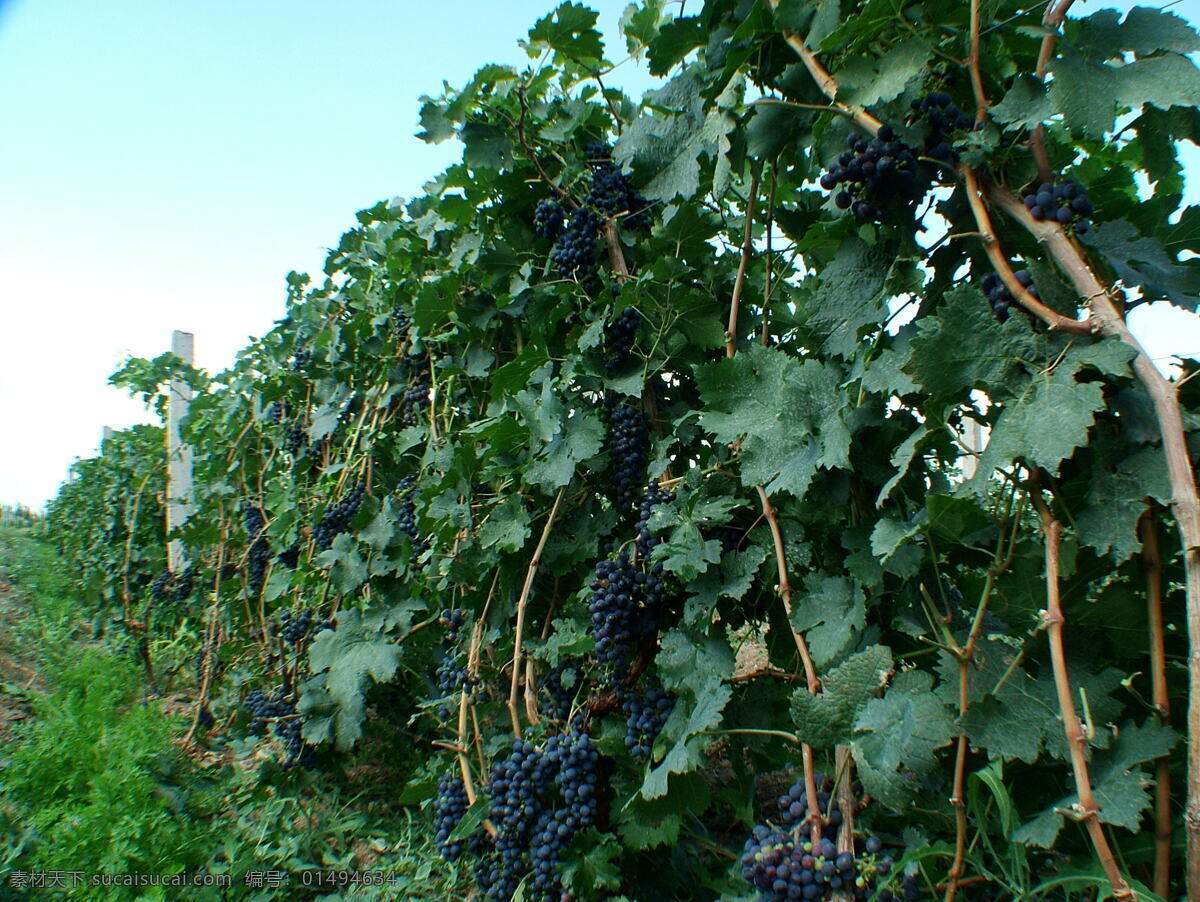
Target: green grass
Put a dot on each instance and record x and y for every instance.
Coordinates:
(95, 780)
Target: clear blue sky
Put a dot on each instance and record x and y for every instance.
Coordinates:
(166, 164)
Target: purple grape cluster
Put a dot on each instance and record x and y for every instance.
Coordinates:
(1000, 298)
(259, 555)
(875, 176)
(1064, 202)
(628, 447)
(652, 496)
(277, 411)
(294, 628)
(413, 401)
(448, 809)
(610, 192)
(619, 335)
(407, 520)
(171, 587)
(549, 220)
(265, 711)
(627, 606)
(337, 517)
(540, 799)
(574, 253)
(646, 711)
(942, 118)
(295, 440)
(561, 687)
(782, 861)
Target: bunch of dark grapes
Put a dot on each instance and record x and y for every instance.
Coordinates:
(999, 297)
(652, 496)
(560, 688)
(646, 710)
(415, 398)
(407, 521)
(265, 710)
(628, 445)
(540, 799)
(448, 809)
(160, 589)
(576, 762)
(942, 118)
(185, 584)
(290, 556)
(259, 555)
(783, 862)
(277, 411)
(452, 674)
(549, 219)
(611, 192)
(574, 253)
(168, 586)
(1064, 202)
(619, 335)
(400, 322)
(295, 627)
(627, 606)
(517, 789)
(300, 360)
(337, 517)
(295, 440)
(875, 176)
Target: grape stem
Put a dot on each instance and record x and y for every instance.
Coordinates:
(211, 633)
(1053, 18)
(1185, 500)
(784, 588)
(1086, 809)
(522, 604)
(1152, 567)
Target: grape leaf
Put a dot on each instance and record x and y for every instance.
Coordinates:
(1025, 105)
(787, 409)
(897, 735)
(1144, 263)
(1120, 786)
(830, 612)
(694, 668)
(347, 656)
(1023, 718)
(1089, 93)
(827, 719)
(570, 31)
(866, 82)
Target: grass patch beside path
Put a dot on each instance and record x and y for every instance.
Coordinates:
(93, 777)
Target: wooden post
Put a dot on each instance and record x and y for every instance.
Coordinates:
(179, 455)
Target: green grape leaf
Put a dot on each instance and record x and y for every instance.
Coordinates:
(1119, 785)
(1022, 718)
(1144, 263)
(864, 81)
(347, 656)
(506, 526)
(1089, 93)
(1144, 31)
(830, 612)
(570, 31)
(898, 734)
(694, 668)
(828, 719)
(788, 410)
(1025, 105)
